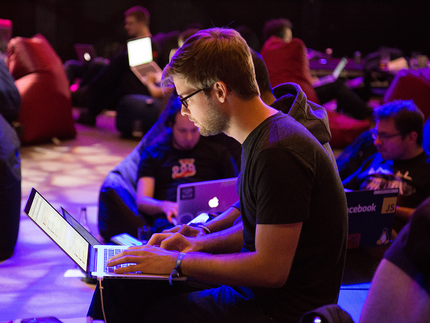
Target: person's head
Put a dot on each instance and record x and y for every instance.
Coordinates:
(211, 65)
(185, 135)
(186, 34)
(136, 21)
(398, 132)
(281, 28)
(262, 77)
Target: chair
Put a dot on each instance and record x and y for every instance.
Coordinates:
(46, 108)
(411, 85)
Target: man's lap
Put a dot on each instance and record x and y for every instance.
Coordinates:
(156, 301)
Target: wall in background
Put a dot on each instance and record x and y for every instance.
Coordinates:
(344, 25)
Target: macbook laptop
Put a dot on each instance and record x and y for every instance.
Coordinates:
(209, 196)
(327, 79)
(370, 217)
(85, 52)
(77, 242)
(140, 58)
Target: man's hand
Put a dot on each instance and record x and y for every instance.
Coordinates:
(170, 209)
(187, 231)
(174, 241)
(147, 259)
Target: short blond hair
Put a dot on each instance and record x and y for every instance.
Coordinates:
(212, 55)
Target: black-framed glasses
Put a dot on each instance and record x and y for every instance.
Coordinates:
(184, 100)
(382, 135)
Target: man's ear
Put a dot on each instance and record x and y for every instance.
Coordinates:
(413, 136)
(221, 90)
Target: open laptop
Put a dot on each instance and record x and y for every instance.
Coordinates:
(370, 217)
(208, 196)
(85, 52)
(140, 58)
(77, 242)
(327, 79)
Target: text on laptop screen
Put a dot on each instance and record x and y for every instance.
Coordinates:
(139, 51)
(57, 228)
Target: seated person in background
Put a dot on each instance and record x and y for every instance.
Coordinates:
(116, 80)
(400, 161)
(287, 61)
(400, 290)
(180, 155)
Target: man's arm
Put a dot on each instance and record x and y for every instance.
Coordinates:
(268, 266)
(223, 221)
(147, 204)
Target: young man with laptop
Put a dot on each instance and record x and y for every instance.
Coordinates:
(400, 161)
(289, 257)
(180, 156)
(116, 80)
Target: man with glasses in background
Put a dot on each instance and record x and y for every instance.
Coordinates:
(400, 161)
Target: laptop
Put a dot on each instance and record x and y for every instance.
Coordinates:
(208, 196)
(327, 79)
(84, 249)
(370, 217)
(85, 52)
(140, 58)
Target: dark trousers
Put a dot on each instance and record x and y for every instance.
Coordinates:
(130, 300)
(348, 102)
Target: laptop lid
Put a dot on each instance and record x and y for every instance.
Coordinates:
(208, 196)
(85, 52)
(140, 57)
(370, 217)
(339, 68)
(47, 218)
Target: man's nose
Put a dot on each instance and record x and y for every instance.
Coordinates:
(184, 111)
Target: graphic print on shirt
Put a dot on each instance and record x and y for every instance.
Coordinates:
(382, 178)
(187, 168)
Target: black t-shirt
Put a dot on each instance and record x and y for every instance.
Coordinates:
(411, 177)
(170, 167)
(287, 177)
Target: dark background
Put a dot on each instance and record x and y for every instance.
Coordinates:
(344, 25)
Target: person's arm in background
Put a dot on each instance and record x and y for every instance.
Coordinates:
(221, 222)
(147, 204)
(150, 81)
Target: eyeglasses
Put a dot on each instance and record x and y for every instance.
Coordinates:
(184, 100)
(382, 135)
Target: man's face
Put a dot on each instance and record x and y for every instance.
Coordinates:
(392, 147)
(205, 113)
(132, 26)
(185, 134)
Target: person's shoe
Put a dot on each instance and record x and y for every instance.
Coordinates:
(87, 119)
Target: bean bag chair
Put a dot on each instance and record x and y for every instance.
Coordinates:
(411, 85)
(345, 129)
(46, 108)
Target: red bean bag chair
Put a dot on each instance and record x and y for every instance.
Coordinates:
(344, 129)
(46, 108)
(411, 85)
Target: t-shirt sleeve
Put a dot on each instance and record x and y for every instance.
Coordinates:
(283, 181)
(410, 250)
(146, 165)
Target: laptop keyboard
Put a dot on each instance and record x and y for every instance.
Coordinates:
(145, 69)
(109, 253)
